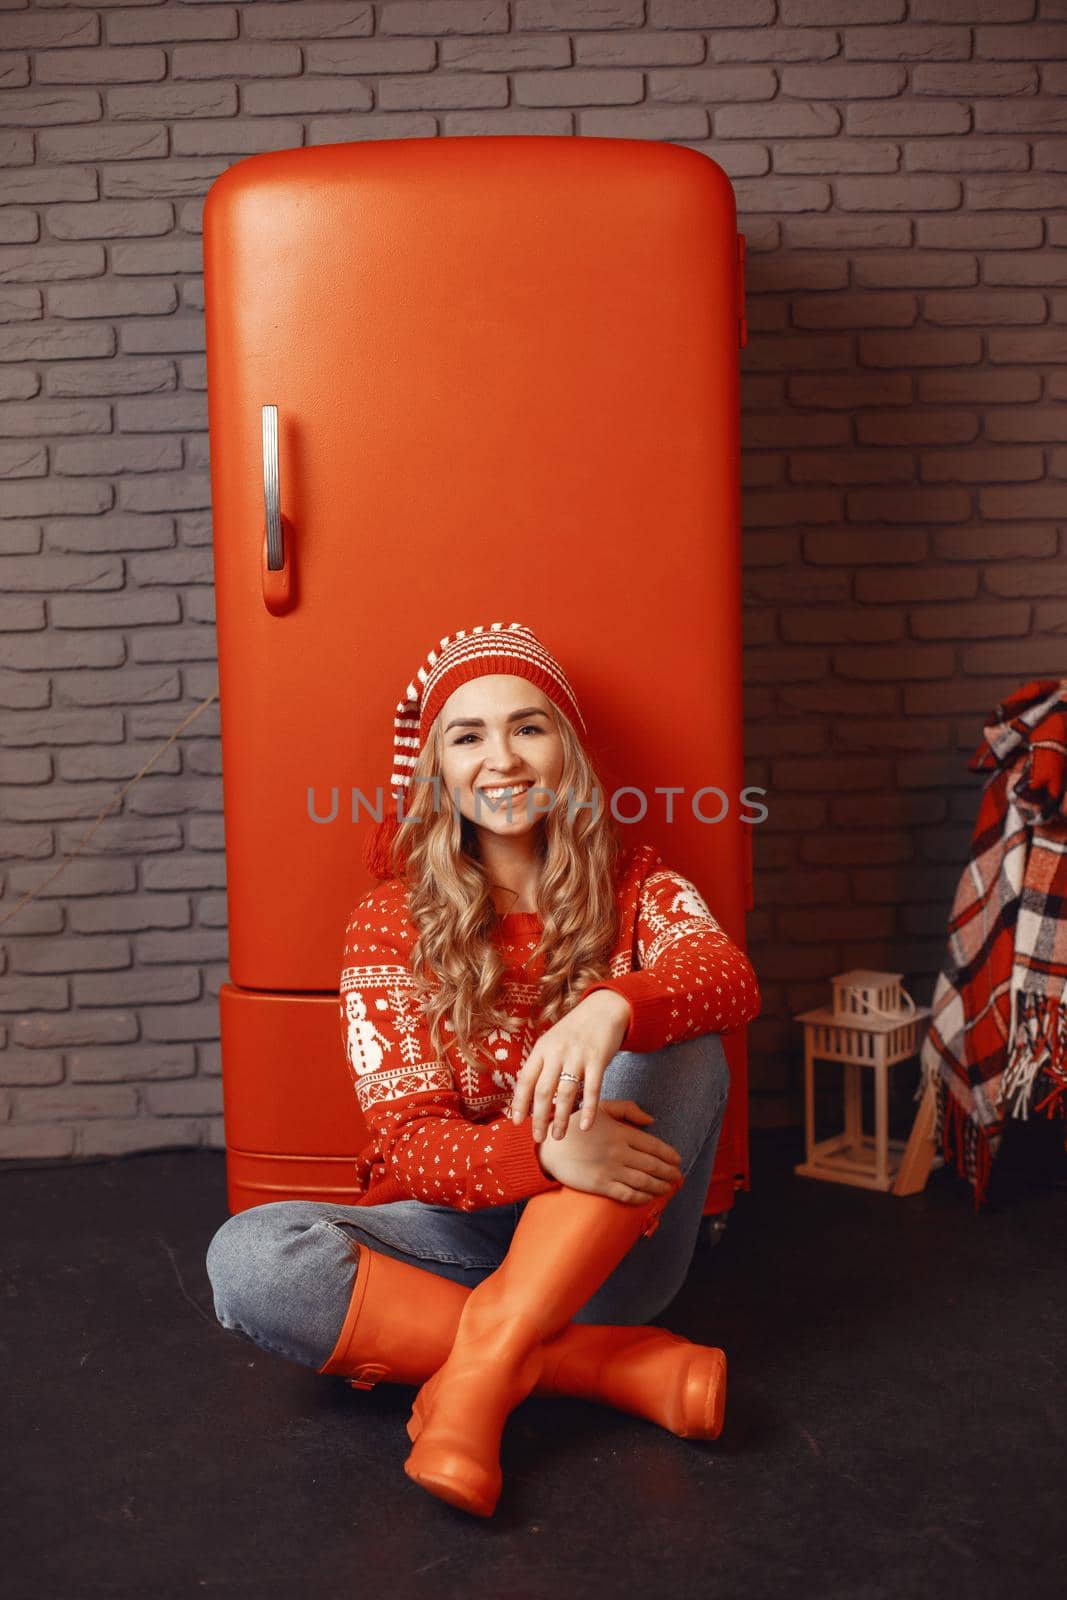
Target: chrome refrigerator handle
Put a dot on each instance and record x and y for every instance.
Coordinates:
(272, 490)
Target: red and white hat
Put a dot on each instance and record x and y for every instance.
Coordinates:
(470, 653)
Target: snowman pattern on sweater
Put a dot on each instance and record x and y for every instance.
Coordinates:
(439, 1125)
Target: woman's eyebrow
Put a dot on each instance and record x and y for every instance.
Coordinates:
(479, 722)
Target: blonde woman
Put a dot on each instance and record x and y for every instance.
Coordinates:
(531, 1013)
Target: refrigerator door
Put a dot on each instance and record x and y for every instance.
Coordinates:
(458, 381)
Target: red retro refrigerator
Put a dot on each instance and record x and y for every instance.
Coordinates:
(449, 381)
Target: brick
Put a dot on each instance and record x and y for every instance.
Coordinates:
(931, 772)
(799, 887)
(855, 466)
(334, 20)
(162, 985)
(919, 349)
(195, 1097)
(131, 1064)
(30, 1067)
(906, 735)
(771, 666)
(178, 176)
(785, 120)
(1035, 658)
(971, 388)
(442, 91)
(115, 532)
(899, 810)
(34, 1142)
(846, 923)
(47, 31)
(168, 101)
(168, 23)
(1024, 501)
(996, 192)
(907, 661)
(1046, 423)
(919, 269)
(970, 622)
(102, 143)
(166, 492)
(459, 16)
(101, 66)
(307, 96)
(855, 548)
(591, 50)
(463, 124)
(837, 699)
(1011, 543)
(1035, 42)
(50, 264)
(54, 342)
(856, 311)
(843, 80)
(20, 305)
(242, 60)
(170, 1024)
(902, 505)
(978, 233)
(646, 122)
(39, 185)
(106, 298)
(972, 80)
(23, 460)
(57, 498)
(837, 156)
(107, 219)
(133, 912)
(114, 611)
(18, 225)
(877, 587)
(851, 625)
(810, 587)
(68, 955)
(917, 427)
(948, 844)
(829, 775)
(859, 848)
(167, 256)
(36, 108)
(768, 739)
(73, 1102)
(113, 764)
(236, 135)
(170, 333)
(43, 418)
(971, 695)
(906, 118)
(107, 1137)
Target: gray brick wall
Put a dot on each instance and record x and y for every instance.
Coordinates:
(898, 166)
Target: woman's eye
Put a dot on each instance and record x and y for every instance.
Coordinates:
(529, 727)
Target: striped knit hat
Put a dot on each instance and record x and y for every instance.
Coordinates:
(470, 653)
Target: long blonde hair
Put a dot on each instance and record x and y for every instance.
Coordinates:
(457, 969)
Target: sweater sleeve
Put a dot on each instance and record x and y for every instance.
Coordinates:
(408, 1096)
(692, 979)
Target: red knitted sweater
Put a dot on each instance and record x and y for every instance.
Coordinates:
(440, 1129)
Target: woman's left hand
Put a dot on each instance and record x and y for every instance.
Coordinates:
(582, 1043)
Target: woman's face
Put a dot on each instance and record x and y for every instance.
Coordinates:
(500, 751)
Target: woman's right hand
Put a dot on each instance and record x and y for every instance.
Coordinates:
(613, 1157)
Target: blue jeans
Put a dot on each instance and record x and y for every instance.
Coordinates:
(282, 1273)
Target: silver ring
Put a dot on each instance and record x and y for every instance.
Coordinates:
(569, 1077)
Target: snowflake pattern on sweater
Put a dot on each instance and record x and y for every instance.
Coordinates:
(440, 1128)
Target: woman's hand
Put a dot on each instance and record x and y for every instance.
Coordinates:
(582, 1043)
(613, 1157)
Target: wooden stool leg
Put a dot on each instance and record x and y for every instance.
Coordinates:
(919, 1152)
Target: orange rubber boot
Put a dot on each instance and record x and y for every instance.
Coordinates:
(401, 1323)
(565, 1244)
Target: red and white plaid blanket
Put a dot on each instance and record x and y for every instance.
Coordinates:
(997, 1041)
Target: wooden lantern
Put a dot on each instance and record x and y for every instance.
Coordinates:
(873, 1023)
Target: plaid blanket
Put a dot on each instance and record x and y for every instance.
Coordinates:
(997, 1040)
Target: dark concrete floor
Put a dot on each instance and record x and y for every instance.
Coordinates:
(895, 1422)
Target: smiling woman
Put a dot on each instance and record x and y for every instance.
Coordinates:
(520, 999)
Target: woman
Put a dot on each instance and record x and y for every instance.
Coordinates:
(522, 998)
